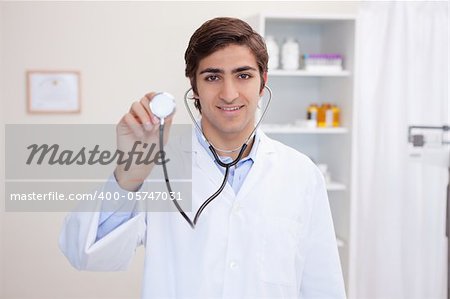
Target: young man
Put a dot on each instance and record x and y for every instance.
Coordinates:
(269, 234)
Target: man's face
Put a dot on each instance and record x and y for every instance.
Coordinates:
(228, 85)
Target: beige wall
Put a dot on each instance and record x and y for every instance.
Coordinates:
(2, 159)
(123, 50)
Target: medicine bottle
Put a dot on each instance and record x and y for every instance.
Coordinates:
(325, 116)
(311, 113)
(336, 115)
(273, 51)
(290, 55)
(329, 116)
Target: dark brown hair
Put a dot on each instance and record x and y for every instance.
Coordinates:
(216, 34)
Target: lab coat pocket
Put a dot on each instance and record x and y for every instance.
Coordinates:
(281, 251)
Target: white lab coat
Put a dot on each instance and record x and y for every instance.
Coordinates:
(274, 239)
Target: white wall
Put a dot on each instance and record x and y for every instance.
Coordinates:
(123, 50)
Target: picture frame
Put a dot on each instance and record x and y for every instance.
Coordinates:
(53, 91)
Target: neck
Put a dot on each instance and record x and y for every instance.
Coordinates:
(223, 144)
(233, 155)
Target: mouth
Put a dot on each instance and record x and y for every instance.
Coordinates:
(230, 108)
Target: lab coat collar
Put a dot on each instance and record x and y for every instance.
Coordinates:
(204, 161)
(199, 156)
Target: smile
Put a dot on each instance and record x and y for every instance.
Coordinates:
(235, 108)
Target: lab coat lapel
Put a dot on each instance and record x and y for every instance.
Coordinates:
(210, 171)
(263, 160)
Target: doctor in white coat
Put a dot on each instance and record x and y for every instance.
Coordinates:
(269, 234)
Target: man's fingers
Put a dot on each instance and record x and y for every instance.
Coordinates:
(142, 115)
(145, 101)
(133, 123)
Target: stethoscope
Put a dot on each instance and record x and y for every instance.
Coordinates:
(163, 105)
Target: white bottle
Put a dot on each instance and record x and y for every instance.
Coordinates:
(273, 51)
(290, 55)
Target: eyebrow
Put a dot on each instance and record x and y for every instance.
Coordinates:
(221, 71)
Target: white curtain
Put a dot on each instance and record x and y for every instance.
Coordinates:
(399, 249)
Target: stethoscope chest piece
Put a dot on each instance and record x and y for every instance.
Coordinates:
(162, 105)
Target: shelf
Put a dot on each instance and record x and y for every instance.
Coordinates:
(291, 129)
(334, 186)
(304, 73)
(320, 33)
(305, 18)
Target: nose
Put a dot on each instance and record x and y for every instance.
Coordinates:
(229, 91)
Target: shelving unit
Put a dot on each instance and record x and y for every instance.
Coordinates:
(293, 129)
(294, 91)
(303, 73)
(334, 186)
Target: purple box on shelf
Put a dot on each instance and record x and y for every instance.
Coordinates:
(323, 62)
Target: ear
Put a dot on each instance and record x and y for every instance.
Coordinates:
(195, 94)
(193, 84)
(265, 78)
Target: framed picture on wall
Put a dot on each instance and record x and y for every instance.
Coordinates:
(53, 92)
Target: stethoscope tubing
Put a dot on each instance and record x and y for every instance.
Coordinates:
(213, 196)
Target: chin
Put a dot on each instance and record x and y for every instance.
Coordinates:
(239, 129)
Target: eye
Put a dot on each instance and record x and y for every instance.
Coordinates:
(244, 76)
(212, 78)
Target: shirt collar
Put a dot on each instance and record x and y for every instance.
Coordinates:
(251, 156)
